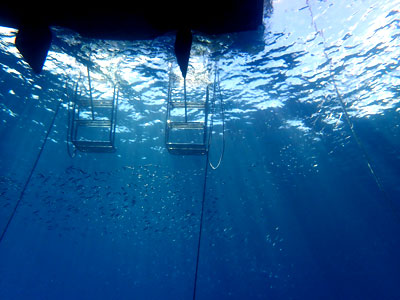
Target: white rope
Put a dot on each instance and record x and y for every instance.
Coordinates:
(217, 85)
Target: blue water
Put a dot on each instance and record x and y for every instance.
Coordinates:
(305, 204)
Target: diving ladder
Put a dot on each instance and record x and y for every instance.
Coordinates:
(186, 126)
(92, 122)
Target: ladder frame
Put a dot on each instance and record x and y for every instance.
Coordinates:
(98, 145)
(189, 148)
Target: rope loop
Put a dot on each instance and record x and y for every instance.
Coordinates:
(216, 89)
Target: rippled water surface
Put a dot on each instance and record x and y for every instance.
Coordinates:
(305, 204)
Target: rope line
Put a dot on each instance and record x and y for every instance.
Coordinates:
(200, 227)
(355, 136)
(208, 163)
(31, 173)
(217, 85)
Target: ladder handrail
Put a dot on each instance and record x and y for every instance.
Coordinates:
(169, 96)
(90, 91)
(206, 117)
(184, 97)
(114, 114)
(71, 106)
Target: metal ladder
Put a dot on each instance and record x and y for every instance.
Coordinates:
(92, 122)
(186, 126)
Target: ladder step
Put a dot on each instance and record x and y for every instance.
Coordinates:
(96, 103)
(181, 104)
(94, 146)
(93, 123)
(186, 149)
(186, 125)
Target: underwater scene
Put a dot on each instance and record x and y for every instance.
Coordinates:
(279, 178)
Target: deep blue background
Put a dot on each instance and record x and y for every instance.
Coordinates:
(292, 213)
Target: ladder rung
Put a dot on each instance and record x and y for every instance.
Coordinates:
(181, 104)
(186, 125)
(94, 146)
(186, 149)
(96, 103)
(93, 123)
